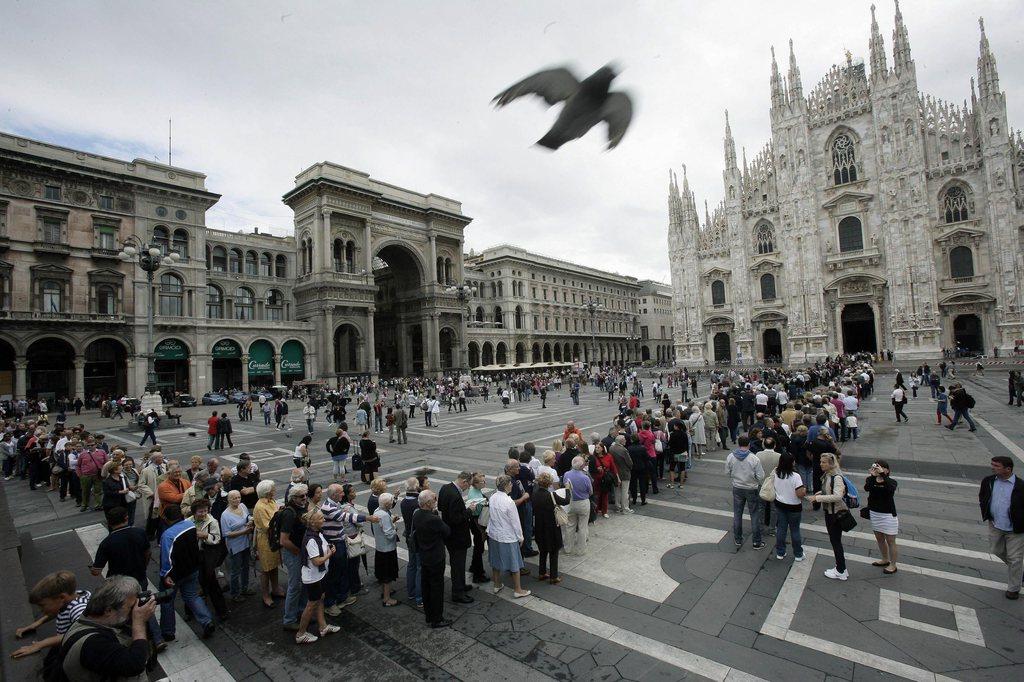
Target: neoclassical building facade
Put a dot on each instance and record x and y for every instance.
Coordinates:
(876, 217)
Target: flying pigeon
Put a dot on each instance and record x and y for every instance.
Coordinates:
(587, 103)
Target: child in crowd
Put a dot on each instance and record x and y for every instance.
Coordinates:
(851, 423)
(58, 597)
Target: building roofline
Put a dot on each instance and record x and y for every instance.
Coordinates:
(516, 252)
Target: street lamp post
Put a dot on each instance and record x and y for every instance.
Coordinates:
(592, 305)
(463, 292)
(150, 258)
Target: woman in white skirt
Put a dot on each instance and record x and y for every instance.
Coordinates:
(881, 491)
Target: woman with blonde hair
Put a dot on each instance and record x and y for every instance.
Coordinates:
(269, 560)
(833, 489)
(549, 458)
(315, 555)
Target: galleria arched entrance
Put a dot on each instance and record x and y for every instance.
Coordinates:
(858, 322)
(397, 319)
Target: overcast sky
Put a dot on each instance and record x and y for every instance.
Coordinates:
(260, 90)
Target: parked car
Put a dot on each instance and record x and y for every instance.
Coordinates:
(185, 400)
(239, 397)
(265, 393)
(214, 399)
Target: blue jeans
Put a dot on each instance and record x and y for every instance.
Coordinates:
(787, 519)
(734, 431)
(527, 510)
(742, 497)
(239, 565)
(295, 597)
(189, 588)
(807, 476)
(966, 414)
(336, 585)
(413, 586)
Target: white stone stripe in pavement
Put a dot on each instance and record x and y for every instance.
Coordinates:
(780, 618)
(674, 656)
(902, 479)
(999, 436)
(968, 628)
(186, 659)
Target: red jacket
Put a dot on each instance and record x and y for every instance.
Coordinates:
(212, 428)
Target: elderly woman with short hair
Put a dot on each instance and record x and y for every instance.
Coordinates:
(545, 530)
(578, 481)
(385, 556)
(505, 534)
(269, 559)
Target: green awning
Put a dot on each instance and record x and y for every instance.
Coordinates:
(293, 360)
(261, 359)
(171, 349)
(226, 349)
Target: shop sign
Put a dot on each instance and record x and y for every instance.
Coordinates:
(226, 349)
(171, 349)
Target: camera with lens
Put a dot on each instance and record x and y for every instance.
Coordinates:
(162, 596)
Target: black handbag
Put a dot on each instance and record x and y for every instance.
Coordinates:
(845, 520)
(865, 513)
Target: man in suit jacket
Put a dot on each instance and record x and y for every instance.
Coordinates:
(453, 512)
(429, 534)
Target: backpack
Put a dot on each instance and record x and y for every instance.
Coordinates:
(274, 531)
(851, 499)
(969, 401)
(74, 640)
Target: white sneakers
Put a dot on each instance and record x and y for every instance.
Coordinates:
(836, 575)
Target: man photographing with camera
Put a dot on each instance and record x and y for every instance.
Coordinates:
(109, 640)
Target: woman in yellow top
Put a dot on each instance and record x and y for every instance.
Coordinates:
(269, 559)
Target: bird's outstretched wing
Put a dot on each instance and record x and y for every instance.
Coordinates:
(554, 85)
(617, 112)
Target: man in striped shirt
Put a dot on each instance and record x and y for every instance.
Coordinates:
(58, 597)
(335, 519)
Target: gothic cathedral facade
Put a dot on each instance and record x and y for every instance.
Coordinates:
(876, 217)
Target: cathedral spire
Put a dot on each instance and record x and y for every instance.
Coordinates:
(778, 94)
(900, 44)
(730, 145)
(877, 45)
(745, 168)
(707, 215)
(988, 77)
(796, 89)
(974, 97)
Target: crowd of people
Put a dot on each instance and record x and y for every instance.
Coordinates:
(205, 523)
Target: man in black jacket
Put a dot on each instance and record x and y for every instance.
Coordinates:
(1002, 504)
(453, 512)
(430, 534)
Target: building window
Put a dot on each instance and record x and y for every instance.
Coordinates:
(643, 333)
(106, 203)
(718, 292)
(768, 287)
(179, 243)
(219, 259)
(519, 318)
(52, 297)
(954, 205)
(499, 320)
(280, 267)
(171, 295)
(162, 239)
(52, 228)
(275, 305)
(251, 267)
(265, 264)
(234, 261)
(851, 236)
(106, 238)
(106, 300)
(844, 161)
(52, 192)
(961, 263)
(243, 304)
(764, 239)
(480, 314)
(214, 303)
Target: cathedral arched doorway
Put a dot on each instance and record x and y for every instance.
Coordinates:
(474, 354)
(535, 353)
(520, 353)
(723, 347)
(501, 353)
(488, 357)
(51, 369)
(967, 333)
(771, 341)
(858, 323)
(397, 275)
(446, 339)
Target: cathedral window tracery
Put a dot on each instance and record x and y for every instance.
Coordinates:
(844, 160)
(764, 238)
(955, 205)
(851, 235)
(767, 287)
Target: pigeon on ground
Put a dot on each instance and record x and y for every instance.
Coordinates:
(587, 103)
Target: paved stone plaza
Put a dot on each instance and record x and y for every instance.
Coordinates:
(662, 594)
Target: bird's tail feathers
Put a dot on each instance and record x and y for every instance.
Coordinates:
(550, 141)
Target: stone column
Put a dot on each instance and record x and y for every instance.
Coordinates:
(433, 258)
(20, 378)
(368, 247)
(319, 241)
(326, 341)
(131, 386)
(245, 372)
(361, 353)
(277, 369)
(326, 252)
(371, 349)
(837, 325)
(431, 349)
(80, 376)
(879, 341)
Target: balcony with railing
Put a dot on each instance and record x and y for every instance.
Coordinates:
(959, 283)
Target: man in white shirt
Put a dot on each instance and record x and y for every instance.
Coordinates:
(851, 403)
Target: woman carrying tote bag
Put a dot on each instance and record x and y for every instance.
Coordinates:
(837, 515)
